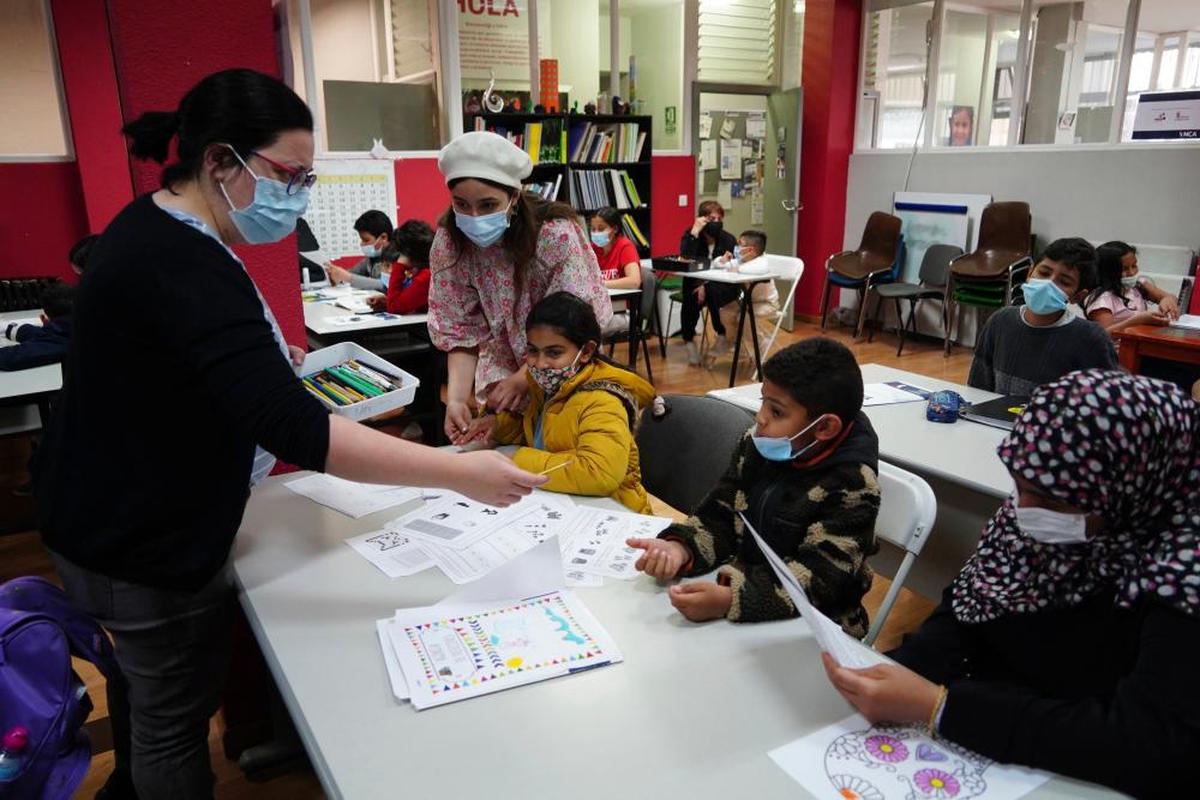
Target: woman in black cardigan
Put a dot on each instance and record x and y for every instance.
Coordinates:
(705, 241)
(179, 389)
(1070, 640)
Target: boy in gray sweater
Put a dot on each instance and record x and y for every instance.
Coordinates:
(1022, 347)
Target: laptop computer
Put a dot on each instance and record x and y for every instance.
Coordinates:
(999, 413)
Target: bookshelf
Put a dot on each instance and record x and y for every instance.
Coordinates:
(588, 161)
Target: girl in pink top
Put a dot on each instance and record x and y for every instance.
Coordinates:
(1121, 298)
(492, 260)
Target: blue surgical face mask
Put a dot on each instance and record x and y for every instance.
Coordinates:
(601, 238)
(272, 214)
(370, 250)
(779, 448)
(484, 230)
(1129, 281)
(1044, 297)
(737, 253)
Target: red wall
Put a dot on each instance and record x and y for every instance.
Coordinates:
(41, 216)
(830, 80)
(93, 108)
(671, 176)
(420, 190)
(161, 48)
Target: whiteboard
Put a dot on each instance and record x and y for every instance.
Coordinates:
(345, 188)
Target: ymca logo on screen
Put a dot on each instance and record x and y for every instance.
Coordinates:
(491, 8)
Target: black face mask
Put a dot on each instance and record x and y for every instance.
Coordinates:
(714, 228)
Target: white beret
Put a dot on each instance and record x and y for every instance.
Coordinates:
(486, 155)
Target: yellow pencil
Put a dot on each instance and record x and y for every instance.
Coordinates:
(559, 466)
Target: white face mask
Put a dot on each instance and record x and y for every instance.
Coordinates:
(1051, 527)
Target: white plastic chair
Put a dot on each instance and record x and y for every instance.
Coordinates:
(789, 270)
(907, 512)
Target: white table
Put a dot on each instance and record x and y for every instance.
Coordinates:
(959, 461)
(747, 281)
(318, 316)
(692, 711)
(26, 383)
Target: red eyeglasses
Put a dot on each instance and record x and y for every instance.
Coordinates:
(296, 177)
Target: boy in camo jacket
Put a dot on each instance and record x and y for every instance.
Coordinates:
(805, 477)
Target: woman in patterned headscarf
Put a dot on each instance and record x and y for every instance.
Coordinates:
(1070, 641)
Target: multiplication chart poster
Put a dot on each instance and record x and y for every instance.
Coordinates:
(345, 188)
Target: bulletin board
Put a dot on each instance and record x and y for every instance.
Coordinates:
(732, 163)
(345, 188)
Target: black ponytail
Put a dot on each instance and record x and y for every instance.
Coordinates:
(239, 107)
(150, 134)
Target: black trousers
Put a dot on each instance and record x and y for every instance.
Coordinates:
(173, 651)
(715, 296)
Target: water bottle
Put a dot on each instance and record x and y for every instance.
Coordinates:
(11, 749)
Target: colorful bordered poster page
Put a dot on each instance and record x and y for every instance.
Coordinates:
(450, 653)
(855, 760)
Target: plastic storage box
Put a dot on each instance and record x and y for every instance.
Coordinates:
(340, 353)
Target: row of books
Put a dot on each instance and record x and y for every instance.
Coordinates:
(549, 141)
(545, 141)
(593, 189)
(605, 143)
(547, 190)
(633, 232)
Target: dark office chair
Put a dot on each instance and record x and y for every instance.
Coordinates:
(986, 277)
(877, 260)
(935, 271)
(684, 454)
(647, 319)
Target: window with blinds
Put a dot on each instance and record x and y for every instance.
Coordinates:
(412, 40)
(737, 41)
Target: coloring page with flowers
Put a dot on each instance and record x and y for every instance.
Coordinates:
(855, 760)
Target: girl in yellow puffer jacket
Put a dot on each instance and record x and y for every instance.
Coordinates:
(583, 408)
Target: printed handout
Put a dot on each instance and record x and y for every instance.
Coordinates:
(351, 498)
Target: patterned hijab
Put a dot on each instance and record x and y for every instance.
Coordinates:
(1107, 443)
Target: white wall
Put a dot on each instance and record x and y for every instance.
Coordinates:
(1137, 193)
(575, 33)
(1147, 194)
(657, 35)
(28, 84)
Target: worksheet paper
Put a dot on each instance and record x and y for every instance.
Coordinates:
(854, 758)
(1187, 321)
(390, 662)
(538, 518)
(883, 394)
(358, 305)
(596, 541)
(350, 498)
(846, 650)
(456, 521)
(484, 638)
(395, 554)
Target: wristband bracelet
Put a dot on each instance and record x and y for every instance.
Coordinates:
(943, 693)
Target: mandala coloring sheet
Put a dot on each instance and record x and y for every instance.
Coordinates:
(854, 760)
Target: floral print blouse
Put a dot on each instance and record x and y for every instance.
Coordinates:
(473, 301)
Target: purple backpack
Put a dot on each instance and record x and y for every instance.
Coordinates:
(39, 632)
